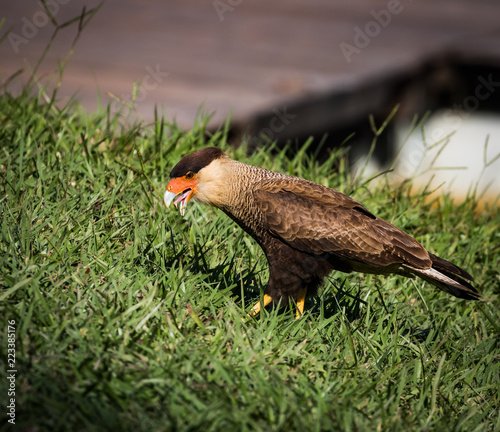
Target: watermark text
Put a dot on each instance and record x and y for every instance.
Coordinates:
(11, 371)
(363, 36)
(31, 25)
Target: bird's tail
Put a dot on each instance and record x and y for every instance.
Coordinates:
(449, 278)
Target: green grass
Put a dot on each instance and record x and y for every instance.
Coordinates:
(128, 317)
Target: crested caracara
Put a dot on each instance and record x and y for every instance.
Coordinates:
(306, 230)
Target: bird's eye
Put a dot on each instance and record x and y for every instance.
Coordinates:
(189, 175)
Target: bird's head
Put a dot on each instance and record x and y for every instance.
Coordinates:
(186, 178)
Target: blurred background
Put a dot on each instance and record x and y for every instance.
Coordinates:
(286, 71)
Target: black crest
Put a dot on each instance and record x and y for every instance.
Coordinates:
(196, 161)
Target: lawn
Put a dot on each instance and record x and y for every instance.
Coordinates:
(128, 317)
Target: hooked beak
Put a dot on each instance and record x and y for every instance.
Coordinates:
(180, 190)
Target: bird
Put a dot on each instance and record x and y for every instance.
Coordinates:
(305, 229)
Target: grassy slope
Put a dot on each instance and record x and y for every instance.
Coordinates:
(128, 317)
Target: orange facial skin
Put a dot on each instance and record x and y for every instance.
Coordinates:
(180, 184)
(180, 190)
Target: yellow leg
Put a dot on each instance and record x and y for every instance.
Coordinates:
(300, 303)
(258, 306)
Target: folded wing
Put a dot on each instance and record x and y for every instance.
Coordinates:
(317, 220)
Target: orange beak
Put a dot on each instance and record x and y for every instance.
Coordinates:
(181, 190)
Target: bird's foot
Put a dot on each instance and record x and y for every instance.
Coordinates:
(301, 299)
(259, 305)
(300, 303)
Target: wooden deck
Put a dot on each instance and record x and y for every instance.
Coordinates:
(333, 59)
(283, 69)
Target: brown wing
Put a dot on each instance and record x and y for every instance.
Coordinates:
(315, 219)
